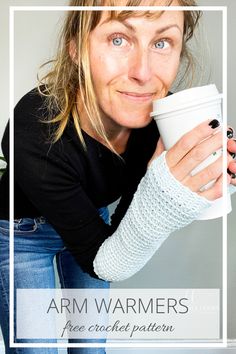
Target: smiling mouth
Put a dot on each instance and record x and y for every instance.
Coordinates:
(139, 97)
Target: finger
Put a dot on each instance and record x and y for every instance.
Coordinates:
(191, 139)
(197, 155)
(232, 167)
(159, 149)
(231, 145)
(210, 173)
(216, 191)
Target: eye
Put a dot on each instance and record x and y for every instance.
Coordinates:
(117, 41)
(162, 44)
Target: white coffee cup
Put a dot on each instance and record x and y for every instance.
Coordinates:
(179, 113)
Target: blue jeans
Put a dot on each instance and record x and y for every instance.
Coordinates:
(36, 245)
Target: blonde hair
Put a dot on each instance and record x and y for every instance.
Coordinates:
(69, 85)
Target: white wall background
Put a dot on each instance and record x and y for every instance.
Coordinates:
(191, 258)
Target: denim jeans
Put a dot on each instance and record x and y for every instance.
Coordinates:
(36, 246)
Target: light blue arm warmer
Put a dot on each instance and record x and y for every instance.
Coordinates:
(160, 206)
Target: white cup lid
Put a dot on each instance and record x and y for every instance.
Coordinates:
(183, 99)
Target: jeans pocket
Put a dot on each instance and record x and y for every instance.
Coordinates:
(21, 226)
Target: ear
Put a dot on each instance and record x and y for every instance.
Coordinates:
(73, 51)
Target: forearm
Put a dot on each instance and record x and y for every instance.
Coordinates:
(160, 206)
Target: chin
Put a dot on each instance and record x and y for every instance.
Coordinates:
(136, 122)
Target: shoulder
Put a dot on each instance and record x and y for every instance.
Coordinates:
(32, 103)
(32, 132)
(32, 118)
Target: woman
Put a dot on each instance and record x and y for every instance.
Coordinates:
(85, 139)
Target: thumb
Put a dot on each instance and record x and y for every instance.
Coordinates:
(159, 149)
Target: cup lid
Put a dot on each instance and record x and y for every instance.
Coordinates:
(183, 99)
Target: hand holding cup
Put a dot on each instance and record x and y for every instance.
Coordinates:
(194, 153)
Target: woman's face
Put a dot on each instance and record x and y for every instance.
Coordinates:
(134, 62)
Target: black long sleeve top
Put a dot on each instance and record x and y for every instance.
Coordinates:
(66, 184)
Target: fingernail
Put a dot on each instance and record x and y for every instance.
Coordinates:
(232, 175)
(232, 154)
(230, 133)
(214, 123)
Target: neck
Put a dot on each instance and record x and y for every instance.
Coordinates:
(120, 139)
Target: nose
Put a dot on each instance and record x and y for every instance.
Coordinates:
(140, 66)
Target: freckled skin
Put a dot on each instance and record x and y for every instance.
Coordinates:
(136, 66)
(133, 63)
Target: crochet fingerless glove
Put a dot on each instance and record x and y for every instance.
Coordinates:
(160, 206)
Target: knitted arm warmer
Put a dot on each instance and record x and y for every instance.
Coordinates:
(160, 206)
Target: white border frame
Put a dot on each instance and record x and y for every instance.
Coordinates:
(185, 344)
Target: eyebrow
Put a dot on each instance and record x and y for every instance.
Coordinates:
(158, 31)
